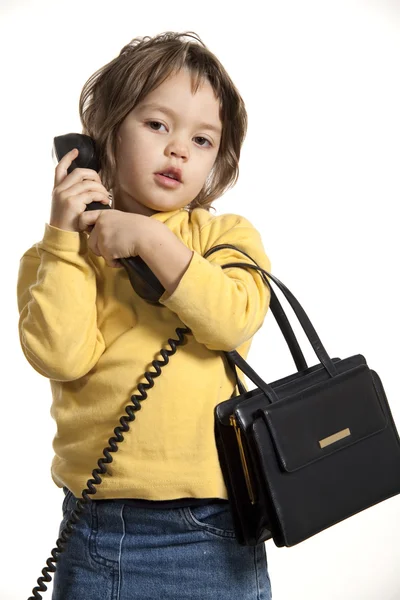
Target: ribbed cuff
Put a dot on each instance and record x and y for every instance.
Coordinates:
(60, 239)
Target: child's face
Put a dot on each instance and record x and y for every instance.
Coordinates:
(178, 140)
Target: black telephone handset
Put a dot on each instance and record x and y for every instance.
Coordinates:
(142, 279)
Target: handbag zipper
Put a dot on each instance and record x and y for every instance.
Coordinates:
(238, 432)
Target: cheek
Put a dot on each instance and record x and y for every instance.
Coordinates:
(138, 153)
(128, 161)
(206, 168)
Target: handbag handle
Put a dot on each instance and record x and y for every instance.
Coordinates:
(234, 357)
(277, 311)
(280, 316)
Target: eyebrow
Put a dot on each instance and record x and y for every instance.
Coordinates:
(172, 113)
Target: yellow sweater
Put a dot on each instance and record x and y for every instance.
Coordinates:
(83, 327)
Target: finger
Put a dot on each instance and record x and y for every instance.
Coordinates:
(88, 177)
(87, 190)
(94, 248)
(93, 243)
(96, 251)
(61, 170)
(80, 175)
(87, 218)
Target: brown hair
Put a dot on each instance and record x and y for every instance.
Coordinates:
(143, 64)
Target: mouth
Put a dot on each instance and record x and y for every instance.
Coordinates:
(166, 181)
(172, 172)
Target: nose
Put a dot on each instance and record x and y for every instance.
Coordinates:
(178, 149)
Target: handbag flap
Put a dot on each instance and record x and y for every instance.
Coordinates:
(325, 418)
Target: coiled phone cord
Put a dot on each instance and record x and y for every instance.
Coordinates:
(136, 399)
(130, 409)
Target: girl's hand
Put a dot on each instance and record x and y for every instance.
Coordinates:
(115, 234)
(73, 192)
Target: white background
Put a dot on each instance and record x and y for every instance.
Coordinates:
(319, 178)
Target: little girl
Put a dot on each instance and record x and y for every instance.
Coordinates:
(169, 125)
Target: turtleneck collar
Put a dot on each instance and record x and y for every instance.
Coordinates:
(165, 215)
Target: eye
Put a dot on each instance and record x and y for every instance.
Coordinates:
(205, 139)
(157, 122)
(198, 138)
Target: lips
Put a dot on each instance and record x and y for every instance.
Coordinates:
(176, 173)
(167, 182)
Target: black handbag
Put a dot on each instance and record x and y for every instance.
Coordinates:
(307, 451)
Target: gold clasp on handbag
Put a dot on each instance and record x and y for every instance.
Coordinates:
(234, 424)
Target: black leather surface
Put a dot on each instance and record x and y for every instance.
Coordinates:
(300, 488)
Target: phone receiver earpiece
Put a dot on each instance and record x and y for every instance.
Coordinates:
(87, 158)
(142, 279)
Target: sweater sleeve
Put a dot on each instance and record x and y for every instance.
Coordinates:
(223, 307)
(56, 293)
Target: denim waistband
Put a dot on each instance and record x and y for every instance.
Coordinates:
(175, 503)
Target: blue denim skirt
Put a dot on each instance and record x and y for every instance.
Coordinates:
(121, 552)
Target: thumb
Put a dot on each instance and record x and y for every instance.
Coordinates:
(88, 218)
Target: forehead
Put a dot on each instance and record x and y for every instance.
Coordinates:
(174, 97)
